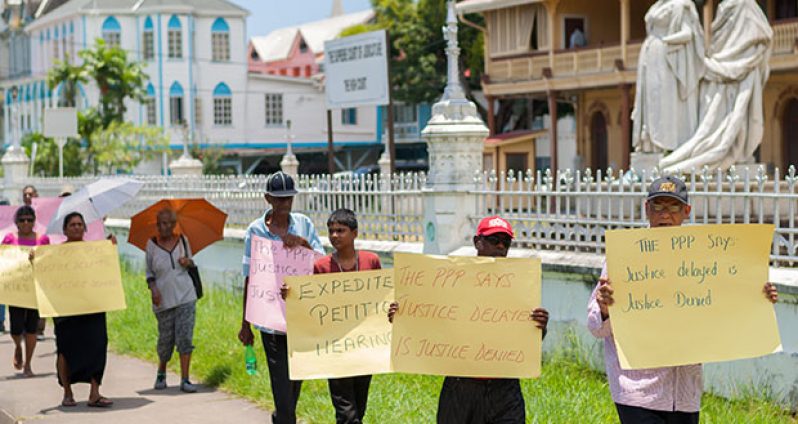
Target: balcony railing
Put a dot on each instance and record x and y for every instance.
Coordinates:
(785, 37)
(602, 60)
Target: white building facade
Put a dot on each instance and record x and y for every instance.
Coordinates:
(199, 90)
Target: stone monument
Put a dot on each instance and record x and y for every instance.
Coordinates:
(731, 114)
(186, 165)
(15, 161)
(455, 138)
(669, 70)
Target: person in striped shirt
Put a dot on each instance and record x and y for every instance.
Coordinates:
(669, 395)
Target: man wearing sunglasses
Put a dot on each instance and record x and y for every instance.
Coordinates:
(660, 395)
(485, 400)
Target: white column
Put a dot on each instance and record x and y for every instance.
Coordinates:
(455, 135)
(15, 161)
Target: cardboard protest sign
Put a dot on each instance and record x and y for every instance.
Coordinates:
(467, 317)
(16, 277)
(687, 295)
(270, 263)
(338, 325)
(78, 278)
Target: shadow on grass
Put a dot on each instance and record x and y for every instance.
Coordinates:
(218, 375)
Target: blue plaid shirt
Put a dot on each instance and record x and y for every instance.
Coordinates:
(298, 224)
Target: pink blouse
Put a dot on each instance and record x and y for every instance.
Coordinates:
(13, 239)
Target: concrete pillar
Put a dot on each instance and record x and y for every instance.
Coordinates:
(186, 166)
(455, 137)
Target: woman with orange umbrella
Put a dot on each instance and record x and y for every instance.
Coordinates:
(170, 232)
(174, 299)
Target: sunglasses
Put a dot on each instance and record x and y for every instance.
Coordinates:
(496, 239)
(23, 220)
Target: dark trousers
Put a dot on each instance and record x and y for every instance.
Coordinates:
(636, 415)
(349, 398)
(284, 391)
(481, 401)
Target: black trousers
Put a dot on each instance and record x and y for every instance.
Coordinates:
(481, 401)
(284, 390)
(23, 320)
(349, 398)
(636, 415)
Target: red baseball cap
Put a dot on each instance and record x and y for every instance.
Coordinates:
(494, 225)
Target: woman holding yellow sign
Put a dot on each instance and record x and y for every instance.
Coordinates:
(24, 321)
(81, 340)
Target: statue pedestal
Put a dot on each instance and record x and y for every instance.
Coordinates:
(290, 164)
(385, 163)
(647, 162)
(186, 166)
(15, 164)
(752, 168)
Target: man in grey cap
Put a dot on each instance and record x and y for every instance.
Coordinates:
(293, 229)
(659, 395)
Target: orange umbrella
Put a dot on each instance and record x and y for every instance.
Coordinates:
(197, 219)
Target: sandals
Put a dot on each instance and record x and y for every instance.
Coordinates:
(101, 402)
(18, 358)
(68, 402)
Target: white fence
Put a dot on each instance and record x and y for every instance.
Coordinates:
(572, 211)
(387, 208)
(569, 212)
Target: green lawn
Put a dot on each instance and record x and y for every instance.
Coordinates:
(567, 392)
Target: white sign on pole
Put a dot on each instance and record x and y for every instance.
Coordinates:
(61, 122)
(356, 71)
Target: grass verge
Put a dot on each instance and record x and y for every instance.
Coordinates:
(567, 392)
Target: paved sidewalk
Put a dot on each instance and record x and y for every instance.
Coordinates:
(128, 382)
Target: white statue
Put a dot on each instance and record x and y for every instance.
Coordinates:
(731, 119)
(668, 74)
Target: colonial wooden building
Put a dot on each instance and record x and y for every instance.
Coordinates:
(534, 51)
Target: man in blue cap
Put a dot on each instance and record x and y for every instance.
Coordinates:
(293, 229)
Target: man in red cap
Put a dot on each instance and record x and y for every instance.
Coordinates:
(485, 400)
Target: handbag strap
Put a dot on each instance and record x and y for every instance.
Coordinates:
(185, 249)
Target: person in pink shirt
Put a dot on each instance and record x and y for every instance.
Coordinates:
(669, 395)
(23, 320)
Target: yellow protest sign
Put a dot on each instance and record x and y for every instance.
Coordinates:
(16, 277)
(78, 278)
(466, 317)
(338, 324)
(687, 295)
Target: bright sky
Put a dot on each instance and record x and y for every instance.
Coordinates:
(268, 15)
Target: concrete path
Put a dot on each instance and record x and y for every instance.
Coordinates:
(128, 382)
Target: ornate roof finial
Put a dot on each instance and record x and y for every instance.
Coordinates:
(453, 88)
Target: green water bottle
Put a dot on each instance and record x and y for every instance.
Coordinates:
(251, 360)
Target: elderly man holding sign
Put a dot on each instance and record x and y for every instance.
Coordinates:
(482, 397)
(294, 230)
(667, 277)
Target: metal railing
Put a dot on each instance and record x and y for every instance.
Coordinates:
(573, 210)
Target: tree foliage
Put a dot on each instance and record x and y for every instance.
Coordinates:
(122, 146)
(46, 161)
(418, 57)
(107, 142)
